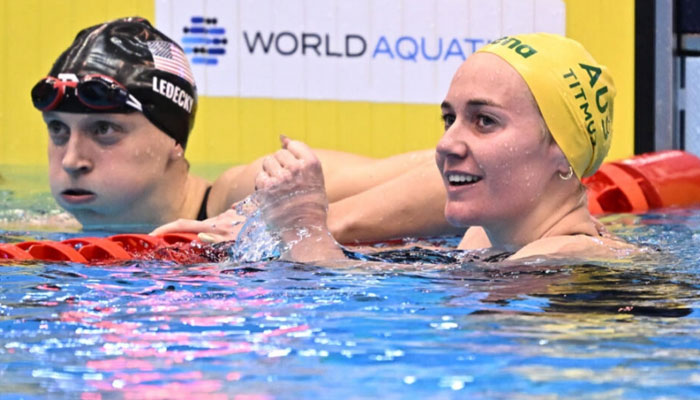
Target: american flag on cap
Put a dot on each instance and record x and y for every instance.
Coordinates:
(169, 58)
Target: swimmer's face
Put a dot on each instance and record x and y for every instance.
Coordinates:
(493, 156)
(106, 168)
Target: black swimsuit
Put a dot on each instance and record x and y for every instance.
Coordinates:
(202, 214)
(429, 256)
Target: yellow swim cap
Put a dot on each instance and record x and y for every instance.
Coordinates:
(574, 93)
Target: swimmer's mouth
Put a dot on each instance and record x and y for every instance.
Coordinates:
(462, 179)
(77, 195)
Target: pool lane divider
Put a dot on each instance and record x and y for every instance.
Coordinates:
(669, 178)
(184, 247)
(645, 182)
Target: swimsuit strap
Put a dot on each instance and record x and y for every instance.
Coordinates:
(202, 214)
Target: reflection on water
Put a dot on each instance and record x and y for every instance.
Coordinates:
(278, 330)
(437, 328)
(27, 209)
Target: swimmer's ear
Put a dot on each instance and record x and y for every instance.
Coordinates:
(559, 159)
(177, 152)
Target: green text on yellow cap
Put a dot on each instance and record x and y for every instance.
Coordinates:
(574, 93)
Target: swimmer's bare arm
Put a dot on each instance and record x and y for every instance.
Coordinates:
(371, 199)
(345, 174)
(238, 182)
(411, 204)
(350, 174)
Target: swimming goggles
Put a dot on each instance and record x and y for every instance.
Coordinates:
(95, 91)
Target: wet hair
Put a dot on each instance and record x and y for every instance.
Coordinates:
(151, 66)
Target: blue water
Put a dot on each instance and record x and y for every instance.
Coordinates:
(549, 329)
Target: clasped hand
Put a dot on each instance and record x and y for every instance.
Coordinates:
(291, 190)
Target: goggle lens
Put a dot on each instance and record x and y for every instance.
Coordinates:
(45, 94)
(101, 94)
(98, 92)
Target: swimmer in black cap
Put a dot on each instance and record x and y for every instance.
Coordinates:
(119, 105)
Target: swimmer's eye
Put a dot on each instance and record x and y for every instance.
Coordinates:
(58, 132)
(103, 128)
(105, 131)
(485, 122)
(448, 120)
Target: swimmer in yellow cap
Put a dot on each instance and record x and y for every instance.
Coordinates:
(525, 118)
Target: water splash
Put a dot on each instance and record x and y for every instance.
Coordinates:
(254, 242)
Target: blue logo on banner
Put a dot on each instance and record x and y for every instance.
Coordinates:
(203, 41)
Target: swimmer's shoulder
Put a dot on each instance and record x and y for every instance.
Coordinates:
(577, 246)
(603, 246)
(474, 238)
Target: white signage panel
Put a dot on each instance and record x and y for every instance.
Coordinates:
(401, 51)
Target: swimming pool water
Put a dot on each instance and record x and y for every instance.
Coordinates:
(274, 330)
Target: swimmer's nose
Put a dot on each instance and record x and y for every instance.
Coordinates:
(76, 159)
(452, 144)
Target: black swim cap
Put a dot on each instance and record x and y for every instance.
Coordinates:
(151, 66)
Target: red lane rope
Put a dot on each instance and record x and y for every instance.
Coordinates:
(179, 247)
